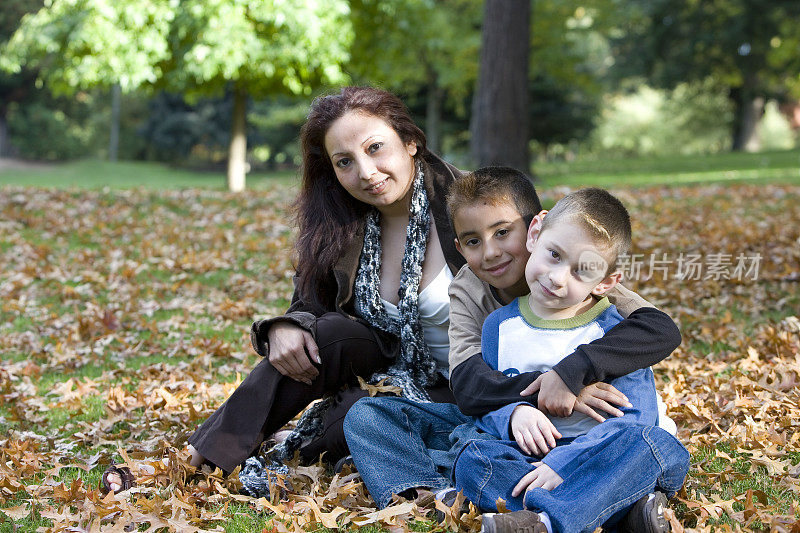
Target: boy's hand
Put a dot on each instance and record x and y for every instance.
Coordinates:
(601, 396)
(542, 477)
(554, 396)
(533, 431)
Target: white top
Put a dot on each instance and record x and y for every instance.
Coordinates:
(434, 316)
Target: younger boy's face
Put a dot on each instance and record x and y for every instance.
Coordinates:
(565, 269)
(492, 240)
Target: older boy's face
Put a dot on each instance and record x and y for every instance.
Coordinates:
(565, 268)
(492, 240)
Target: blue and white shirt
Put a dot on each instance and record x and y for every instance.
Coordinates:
(515, 340)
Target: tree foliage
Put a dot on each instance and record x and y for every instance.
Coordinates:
(82, 44)
(18, 86)
(748, 46)
(259, 47)
(264, 47)
(418, 46)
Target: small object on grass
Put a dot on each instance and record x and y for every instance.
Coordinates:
(448, 497)
(126, 479)
(347, 460)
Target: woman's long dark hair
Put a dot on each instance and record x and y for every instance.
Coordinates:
(326, 215)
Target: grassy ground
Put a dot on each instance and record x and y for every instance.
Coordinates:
(772, 167)
(775, 167)
(124, 318)
(94, 174)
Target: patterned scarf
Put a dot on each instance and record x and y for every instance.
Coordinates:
(414, 368)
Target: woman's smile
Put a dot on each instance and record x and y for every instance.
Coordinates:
(378, 187)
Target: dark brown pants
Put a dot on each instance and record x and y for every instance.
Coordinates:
(266, 400)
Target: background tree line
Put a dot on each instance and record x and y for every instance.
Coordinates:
(226, 83)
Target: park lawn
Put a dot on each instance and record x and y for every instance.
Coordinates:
(736, 167)
(96, 174)
(124, 322)
(772, 167)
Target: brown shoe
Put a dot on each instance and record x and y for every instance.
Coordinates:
(516, 522)
(646, 515)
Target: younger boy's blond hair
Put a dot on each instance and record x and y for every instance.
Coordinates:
(602, 215)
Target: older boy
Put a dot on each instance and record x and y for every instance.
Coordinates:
(400, 446)
(609, 465)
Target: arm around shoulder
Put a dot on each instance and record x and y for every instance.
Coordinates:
(479, 389)
(645, 338)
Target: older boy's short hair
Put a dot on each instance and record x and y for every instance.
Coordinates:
(494, 185)
(601, 214)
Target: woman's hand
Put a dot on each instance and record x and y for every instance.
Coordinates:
(601, 396)
(542, 477)
(533, 431)
(291, 350)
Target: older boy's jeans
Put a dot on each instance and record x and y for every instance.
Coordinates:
(627, 465)
(398, 444)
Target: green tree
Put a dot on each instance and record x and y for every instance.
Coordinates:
(13, 87)
(412, 46)
(568, 66)
(255, 48)
(199, 47)
(749, 47)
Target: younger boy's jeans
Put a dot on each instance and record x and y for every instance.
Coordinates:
(398, 444)
(625, 466)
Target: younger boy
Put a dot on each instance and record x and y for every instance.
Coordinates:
(585, 473)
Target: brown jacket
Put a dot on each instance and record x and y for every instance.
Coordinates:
(438, 177)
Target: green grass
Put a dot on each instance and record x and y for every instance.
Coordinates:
(775, 167)
(94, 174)
(744, 479)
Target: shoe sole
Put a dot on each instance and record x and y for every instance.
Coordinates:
(654, 509)
(487, 526)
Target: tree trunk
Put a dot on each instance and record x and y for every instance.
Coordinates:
(748, 109)
(433, 113)
(237, 153)
(499, 128)
(5, 142)
(113, 139)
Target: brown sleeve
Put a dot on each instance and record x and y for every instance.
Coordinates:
(300, 313)
(471, 302)
(626, 300)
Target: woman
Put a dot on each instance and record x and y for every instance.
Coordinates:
(375, 254)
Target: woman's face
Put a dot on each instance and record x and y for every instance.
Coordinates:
(370, 160)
